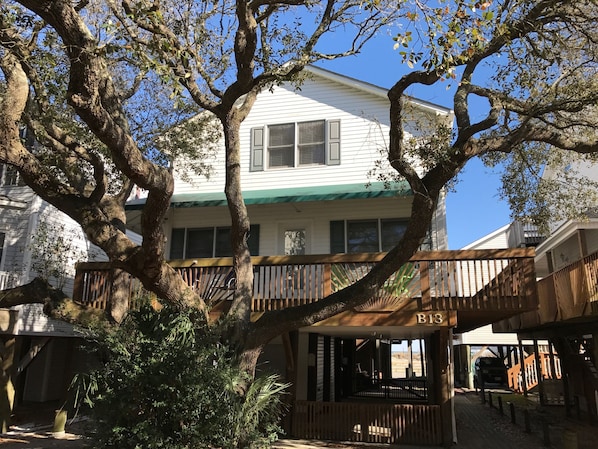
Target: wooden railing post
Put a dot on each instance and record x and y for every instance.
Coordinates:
(327, 280)
(529, 276)
(78, 285)
(523, 370)
(424, 276)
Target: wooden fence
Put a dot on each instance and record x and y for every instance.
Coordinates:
(368, 423)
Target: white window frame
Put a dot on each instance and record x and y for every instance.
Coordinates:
(4, 168)
(260, 155)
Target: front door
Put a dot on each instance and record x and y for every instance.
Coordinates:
(294, 242)
(294, 239)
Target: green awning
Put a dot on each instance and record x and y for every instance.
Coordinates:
(288, 195)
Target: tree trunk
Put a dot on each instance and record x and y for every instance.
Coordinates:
(240, 311)
(248, 360)
(7, 389)
(119, 295)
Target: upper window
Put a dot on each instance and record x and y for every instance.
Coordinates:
(290, 145)
(366, 236)
(189, 243)
(9, 176)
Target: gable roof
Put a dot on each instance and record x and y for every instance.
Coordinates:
(375, 90)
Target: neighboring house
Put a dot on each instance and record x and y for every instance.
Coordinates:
(572, 240)
(567, 269)
(320, 222)
(38, 240)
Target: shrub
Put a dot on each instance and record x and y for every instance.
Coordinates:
(167, 382)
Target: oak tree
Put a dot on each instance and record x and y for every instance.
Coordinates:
(77, 74)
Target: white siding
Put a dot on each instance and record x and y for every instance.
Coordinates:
(364, 132)
(485, 336)
(508, 236)
(73, 237)
(20, 218)
(439, 234)
(315, 216)
(15, 214)
(21, 212)
(566, 253)
(32, 320)
(363, 112)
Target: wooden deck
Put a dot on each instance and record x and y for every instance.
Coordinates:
(469, 281)
(484, 283)
(569, 294)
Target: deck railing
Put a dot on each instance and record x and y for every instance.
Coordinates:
(576, 288)
(549, 369)
(9, 279)
(550, 374)
(439, 280)
(569, 293)
(367, 423)
(414, 389)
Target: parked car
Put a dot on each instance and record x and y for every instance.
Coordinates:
(489, 370)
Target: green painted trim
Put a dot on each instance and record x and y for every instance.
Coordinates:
(289, 195)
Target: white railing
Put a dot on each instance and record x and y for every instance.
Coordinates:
(9, 279)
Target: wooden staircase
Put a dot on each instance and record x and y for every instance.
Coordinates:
(529, 378)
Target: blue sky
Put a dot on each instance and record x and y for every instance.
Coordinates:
(474, 209)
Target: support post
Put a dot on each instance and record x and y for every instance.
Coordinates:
(552, 360)
(545, 433)
(422, 358)
(539, 373)
(527, 421)
(289, 341)
(443, 387)
(523, 373)
(7, 390)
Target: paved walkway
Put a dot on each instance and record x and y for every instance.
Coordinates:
(479, 426)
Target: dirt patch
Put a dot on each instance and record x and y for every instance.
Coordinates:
(41, 437)
(42, 440)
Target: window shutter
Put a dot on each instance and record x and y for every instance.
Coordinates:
(257, 149)
(253, 241)
(177, 243)
(337, 237)
(333, 143)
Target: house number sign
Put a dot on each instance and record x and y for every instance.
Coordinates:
(430, 318)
